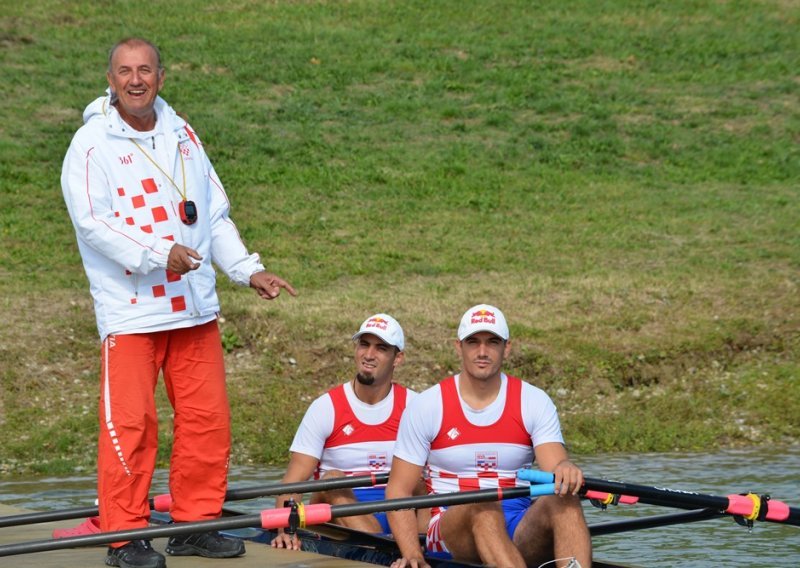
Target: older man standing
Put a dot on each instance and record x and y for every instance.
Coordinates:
(150, 215)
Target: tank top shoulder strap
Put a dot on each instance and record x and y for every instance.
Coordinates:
(452, 413)
(339, 397)
(342, 411)
(513, 408)
(400, 394)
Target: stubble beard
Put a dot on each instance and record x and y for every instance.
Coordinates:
(484, 373)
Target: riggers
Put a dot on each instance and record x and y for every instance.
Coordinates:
(192, 363)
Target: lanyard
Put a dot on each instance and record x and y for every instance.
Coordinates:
(169, 177)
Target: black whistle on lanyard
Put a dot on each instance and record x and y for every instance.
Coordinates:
(188, 212)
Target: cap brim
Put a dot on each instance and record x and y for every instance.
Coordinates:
(378, 335)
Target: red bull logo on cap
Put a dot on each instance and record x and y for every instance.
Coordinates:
(483, 316)
(377, 322)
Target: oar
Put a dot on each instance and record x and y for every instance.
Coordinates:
(162, 502)
(751, 507)
(363, 480)
(653, 521)
(280, 518)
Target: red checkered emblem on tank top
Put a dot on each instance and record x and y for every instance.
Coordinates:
(486, 461)
(377, 461)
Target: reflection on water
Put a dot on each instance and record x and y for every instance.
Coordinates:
(716, 542)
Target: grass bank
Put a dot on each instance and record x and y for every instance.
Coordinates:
(620, 178)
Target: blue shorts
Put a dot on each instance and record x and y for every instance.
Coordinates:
(366, 494)
(513, 510)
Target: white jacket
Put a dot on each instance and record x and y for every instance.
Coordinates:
(125, 213)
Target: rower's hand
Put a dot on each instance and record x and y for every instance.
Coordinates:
(410, 563)
(287, 541)
(568, 478)
(182, 259)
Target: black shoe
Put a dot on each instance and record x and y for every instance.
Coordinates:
(135, 554)
(209, 544)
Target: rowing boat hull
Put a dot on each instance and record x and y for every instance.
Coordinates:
(373, 549)
(330, 546)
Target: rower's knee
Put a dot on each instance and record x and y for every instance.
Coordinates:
(332, 474)
(487, 519)
(554, 504)
(565, 514)
(550, 511)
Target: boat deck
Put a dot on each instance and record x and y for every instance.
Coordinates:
(258, 555)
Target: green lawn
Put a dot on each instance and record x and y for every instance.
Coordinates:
(620, 177)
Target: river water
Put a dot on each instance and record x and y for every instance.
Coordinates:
(715, 542)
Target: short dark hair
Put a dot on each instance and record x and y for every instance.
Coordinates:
(131, 42)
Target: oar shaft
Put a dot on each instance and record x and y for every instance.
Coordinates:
(162, 502)
(741, 505)
(653, 521)
(221, 524)
(751, 507)
(45, 516)
(646, 493)
(158, 503)
(307, 486)
(443, 499)
(322, 512)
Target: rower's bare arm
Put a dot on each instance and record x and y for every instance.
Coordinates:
(403, 479)
(300, 468)
(424, 513)
(553, 457)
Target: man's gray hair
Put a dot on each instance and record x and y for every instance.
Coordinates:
(132, 42)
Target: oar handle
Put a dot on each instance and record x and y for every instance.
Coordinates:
(536, 476)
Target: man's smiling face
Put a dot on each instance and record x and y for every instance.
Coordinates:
(136, 78)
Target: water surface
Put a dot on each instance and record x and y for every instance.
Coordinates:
(716, 542)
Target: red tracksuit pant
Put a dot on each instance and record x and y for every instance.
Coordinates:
(191, 360)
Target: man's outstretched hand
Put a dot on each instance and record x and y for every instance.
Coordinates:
(269, 285)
